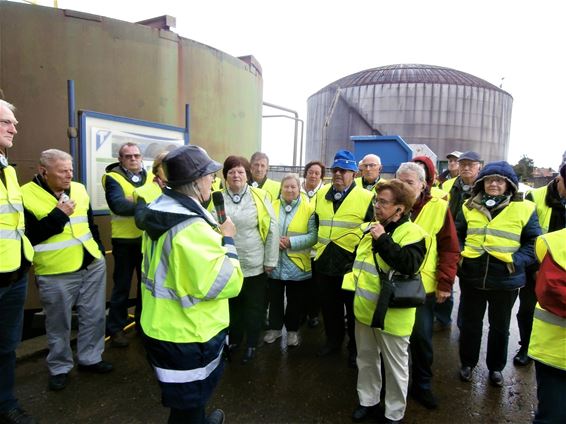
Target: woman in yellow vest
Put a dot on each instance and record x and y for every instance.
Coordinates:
(257, 244)
(393, 242)
(190, 270)
(298, 232)
(497, 230)
(548, 339)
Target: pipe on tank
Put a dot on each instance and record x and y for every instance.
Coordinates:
(294, 112)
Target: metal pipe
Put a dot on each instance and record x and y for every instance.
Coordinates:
(302, 133)
(294, 112)
(72, 129)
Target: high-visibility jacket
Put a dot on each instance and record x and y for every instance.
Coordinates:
(188, 276)
(548, 337)
(298, 227)
(431, 219)
(500, 237)
(125, 226)
(272, 188)
(216, 184)
(343, 226)
(544, 212)
(147, 192)
(437, 192)
(263, 217)
(364, 280)
(447, 185)
(63, 252)
(360, 183)
(12, 224)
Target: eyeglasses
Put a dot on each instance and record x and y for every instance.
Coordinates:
(496, 180)
(7, 122)
(369, 165)
(133, 156)
(382, 202)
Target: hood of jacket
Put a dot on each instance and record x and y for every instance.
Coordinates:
(501, 169)
(430, 170)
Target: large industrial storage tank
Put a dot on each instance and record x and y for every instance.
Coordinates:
(441, 107)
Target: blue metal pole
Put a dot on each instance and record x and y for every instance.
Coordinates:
(72, 130)
(187, 123)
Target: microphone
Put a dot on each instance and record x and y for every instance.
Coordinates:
(385, 222)
(218, 201)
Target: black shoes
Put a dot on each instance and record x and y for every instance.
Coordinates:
(249, 355)
(466, 373)
(16, 416)
(216, 417)
(101, 367)
(424, 396)
(496, 378)
(57, 382)
(119, 340)
(522, 359)
(313, 322)
(362, 413)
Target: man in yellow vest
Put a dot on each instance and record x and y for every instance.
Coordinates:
(16, 254)
(550, 201)
(119, 182)
(69, 266)
(370, 167)
(259, 165)
(341, 207)
(548, 339)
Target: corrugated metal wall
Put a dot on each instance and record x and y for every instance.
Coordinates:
(445, 117)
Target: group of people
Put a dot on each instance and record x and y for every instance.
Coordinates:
(216, 266)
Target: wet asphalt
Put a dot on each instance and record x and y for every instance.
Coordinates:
(282, 385)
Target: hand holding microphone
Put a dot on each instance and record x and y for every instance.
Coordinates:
(227, 227)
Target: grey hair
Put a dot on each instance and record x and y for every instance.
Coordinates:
(8, 105)
(49, 156)
(412, 167)
(259, 156)
(371, 155)
(291, 176)
(187, 189)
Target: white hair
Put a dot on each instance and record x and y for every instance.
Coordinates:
(371, 156)
(412, 167)
(49, 156)
(8, 105)
(291, 176)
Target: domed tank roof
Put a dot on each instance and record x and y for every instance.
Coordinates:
(410, 74)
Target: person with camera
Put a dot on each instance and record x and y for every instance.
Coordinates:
(391, 243)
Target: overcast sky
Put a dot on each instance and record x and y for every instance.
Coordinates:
(303, 45)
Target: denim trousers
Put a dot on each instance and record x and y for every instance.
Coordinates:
(12, 298)
(421, 344)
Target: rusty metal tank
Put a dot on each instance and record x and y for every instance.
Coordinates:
(443, 108)
(136, 70)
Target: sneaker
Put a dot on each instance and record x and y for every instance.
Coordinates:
(216, 417)
(119, 340)
(466, 373)
(101, 367)
(57, 382)
(16, 416)
(292, 338)
(521, 359)
(496, 378)
(271, 336)
(424, 396)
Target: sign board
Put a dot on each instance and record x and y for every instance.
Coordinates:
(100, 138)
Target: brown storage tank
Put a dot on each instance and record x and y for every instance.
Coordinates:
(124, 69)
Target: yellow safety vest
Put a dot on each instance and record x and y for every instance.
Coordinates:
(359, 182)
(263, 216)
(543, 211)
(548, 337)
(188, 277)
(446, 186)
(272, 188)
(298, 227)
(500, 237)
(437, 192)
(431, 219)
(147, 192)
(364, 280)
(12, 224)
(125, 226)
(63, 252)
(216, 184)
(342, 227)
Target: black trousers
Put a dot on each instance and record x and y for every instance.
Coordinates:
(247, 310)
(333, 300)
(527, 303)
(293, 314)
(473, 303)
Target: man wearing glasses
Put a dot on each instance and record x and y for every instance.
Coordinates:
(119, 182)
(370, 167)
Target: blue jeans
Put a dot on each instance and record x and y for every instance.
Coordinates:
(421, 344)
(443, 311)
(127, 259)
(12, 300)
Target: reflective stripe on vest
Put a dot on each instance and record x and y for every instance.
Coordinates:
(544, 212)
(365, 278)
(63, 252)
(125, 226)
(431, 219)
(298, 227)
(187, 376)
(343, 226)
(500, 237)
(12, 224)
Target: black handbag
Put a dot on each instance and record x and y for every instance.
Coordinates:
(397, 291)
